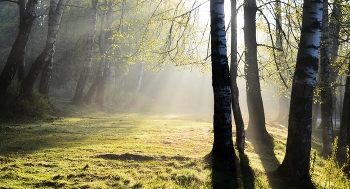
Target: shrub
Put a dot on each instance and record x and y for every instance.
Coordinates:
(14, 104)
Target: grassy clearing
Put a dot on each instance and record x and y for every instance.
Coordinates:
(105, 150)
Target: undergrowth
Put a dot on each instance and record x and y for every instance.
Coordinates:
(333, 174)
(14, 105)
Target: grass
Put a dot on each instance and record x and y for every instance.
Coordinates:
(94, 149)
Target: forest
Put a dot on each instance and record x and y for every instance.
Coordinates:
(174, 94)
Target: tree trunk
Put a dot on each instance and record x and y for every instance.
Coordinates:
(92, 90)
(296, 163)
(343, 139)
(88, 55)
(223, 149)
(21, 66)
(315, 107)
(256, 125)
(106, 46)
(46, 57)
(326, 91)
(282, 117)
(334, 27)
(27, 16)
(46, 77)
(101, 87)
(240, 133)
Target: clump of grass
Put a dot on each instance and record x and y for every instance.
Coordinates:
(332, 174)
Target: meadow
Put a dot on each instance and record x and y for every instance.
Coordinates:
(105, 149)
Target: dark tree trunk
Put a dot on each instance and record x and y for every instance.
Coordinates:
(36, 68)
(92, 90)
(45, 58)
(44, 85)
(296, 163)
(282, 117)
(27, 16)
(240, 133)
(256, 125)
(326, 91)
(343, 139)
(223, 149)
(315, 108)
(21, 66)
(334, 26)
(88, 55)
(101, 88)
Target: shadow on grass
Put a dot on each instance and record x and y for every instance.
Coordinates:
(247, 174)
(242, 177)
(138, 157)
(265, 151)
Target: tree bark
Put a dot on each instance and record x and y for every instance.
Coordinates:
(282, 117)
(223, 149)
(21, 66)
(325, 84)
(334, 27)
(106, 47)
(46, 72)
(27, 16)
(88, 55)
(343, 139)
(46, 57)
(296, 163)
(240, 133)
(256, 125)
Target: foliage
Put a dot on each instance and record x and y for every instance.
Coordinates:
(14, 104)
(334, 175)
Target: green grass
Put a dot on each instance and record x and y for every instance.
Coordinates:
(94, 149)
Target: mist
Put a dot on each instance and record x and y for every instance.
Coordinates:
(188, 91)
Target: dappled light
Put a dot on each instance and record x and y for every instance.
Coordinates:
(205, 94)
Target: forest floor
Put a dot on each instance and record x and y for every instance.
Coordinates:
(99, 149)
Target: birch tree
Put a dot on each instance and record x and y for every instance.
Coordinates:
(296, 163)
(88, 54)
(27, 15)
(240, 133)
(223, 149)
(46, 57)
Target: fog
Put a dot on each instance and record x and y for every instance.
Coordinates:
(190, 92)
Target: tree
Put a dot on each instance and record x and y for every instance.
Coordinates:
(345, 121)
(256, 123)
(46, 57)
(296, 163)
(88, 54)
(283, 100)
(223, 149)
(27, 15)
(98, 86)
(240, 133)
(325, 84)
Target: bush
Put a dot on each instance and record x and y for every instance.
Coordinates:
(13, 104)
